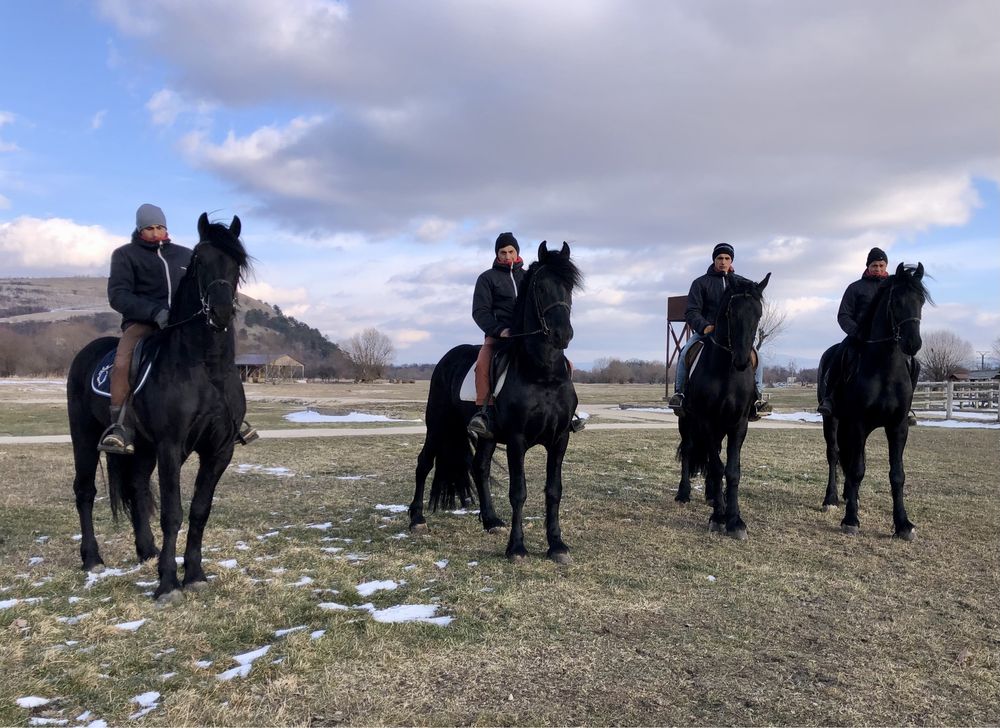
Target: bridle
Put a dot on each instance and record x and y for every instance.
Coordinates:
(728, 346)
(206, 307)
(540, 312)
(893, 325)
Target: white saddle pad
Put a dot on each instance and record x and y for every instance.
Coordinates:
(468, 391)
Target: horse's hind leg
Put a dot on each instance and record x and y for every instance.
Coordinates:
(684, 486)
(86, 458)
(169, 468)
(832, 457)
(714, 493)
(896, 437)
(425, 462)
(211, 466)
(852, 460)
(558, 550)
(481, 474)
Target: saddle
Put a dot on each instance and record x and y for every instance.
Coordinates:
(498, 375)
(693, 356)
(143, 358)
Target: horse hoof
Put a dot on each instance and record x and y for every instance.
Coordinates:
(906, 535)
(170, 598)
(827, 507)
(196, 586)
(739, 534)
(850, 530)
(497, 530)
(420, 528)
(517, 558)
(714, 527)
(562, 557)
(95, 569)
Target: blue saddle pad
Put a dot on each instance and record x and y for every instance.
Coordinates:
(100, 379)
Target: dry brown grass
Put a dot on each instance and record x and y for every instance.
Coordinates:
(801, 625)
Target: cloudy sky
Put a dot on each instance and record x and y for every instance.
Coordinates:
(374, 150)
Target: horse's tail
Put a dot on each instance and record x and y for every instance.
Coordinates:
(695, 447)
(447, 442)
(122, 488)
(452, 484)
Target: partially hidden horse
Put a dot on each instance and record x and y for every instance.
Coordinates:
(192, 401)
(875, 389)
(717, 402)
(534, 407)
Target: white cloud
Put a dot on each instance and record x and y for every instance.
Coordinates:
(276, 296)
(4, 202)
(30, 245)
(97, 120)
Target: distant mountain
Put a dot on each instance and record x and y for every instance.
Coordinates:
(44, 321)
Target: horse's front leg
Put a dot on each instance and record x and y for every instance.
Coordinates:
(896, 437)
(558, 550)
(143, 463)
(851, 443)
(735, 527)
(169, 469)
(425, 462)
(211, 466)
(518, 495)
(714, 494)
(481, 462)
(683, 451)
(832, 499)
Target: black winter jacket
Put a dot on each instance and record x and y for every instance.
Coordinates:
(855, 302)
(144, 278)
(493, 299)
(704, 298)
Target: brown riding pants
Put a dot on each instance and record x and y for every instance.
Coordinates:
(483, 370)
(123, 360)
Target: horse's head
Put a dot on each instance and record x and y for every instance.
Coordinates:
(739, 313)
(217, 266)
(897, 308)
(546, 298)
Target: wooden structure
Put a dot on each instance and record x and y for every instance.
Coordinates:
(269, 368)
(678, 332)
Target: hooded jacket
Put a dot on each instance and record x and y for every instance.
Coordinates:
(493, 299)
(704, 298)
(857, 298)
(144, 278)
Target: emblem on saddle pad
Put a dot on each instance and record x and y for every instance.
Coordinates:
(142, 365)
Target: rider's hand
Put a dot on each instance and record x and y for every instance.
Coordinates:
(505, 333)
(709, 329)
(161, 318)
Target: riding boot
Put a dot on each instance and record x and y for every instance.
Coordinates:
(118, 438)
(481, 424)
(247, 433)
(761, 407)
(577, 423)
(676, 402)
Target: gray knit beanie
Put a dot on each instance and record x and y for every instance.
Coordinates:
(148, 215)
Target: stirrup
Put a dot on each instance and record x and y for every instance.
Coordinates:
(247, 434)
(676, 402)
(114, 441)
(762, 407)
(577, 424)
(479, 427)
(825, 408)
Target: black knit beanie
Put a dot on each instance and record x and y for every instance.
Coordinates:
(505, 239)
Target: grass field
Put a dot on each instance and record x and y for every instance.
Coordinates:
(798, 625)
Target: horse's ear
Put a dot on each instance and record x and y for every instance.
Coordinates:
(899, 269)
(763, 284)
(565, 250)
(235, 226)
(920, 271)
(543, 249)
(203, 226)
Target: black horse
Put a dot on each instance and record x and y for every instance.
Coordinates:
(717, 402)
(192, 401)
(534, 407)
(875, 390)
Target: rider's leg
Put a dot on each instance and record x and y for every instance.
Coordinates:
(760, 406)
(118, 437)
(680, 375)
(480, 424)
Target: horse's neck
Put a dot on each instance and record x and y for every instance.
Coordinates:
(197, 342)
(540, 361)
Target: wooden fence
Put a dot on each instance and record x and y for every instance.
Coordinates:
(952, 397)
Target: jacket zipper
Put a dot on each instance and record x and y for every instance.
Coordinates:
(166, 268)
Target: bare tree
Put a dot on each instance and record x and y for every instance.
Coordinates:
(942, 354)
(772, 324)
(370, 352)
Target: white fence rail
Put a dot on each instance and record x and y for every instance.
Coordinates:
(955, 398)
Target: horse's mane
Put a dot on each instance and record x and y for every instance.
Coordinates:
(906, 281)
(220, 237)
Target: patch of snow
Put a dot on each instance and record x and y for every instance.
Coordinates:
(130, 626)
(411, 613)
(228, 564)
(392, 508)
(309, 416)
(370, 587)
(31, 701)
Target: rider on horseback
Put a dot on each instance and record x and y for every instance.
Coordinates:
(144, 277)
(857, 298)
(703, 301)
